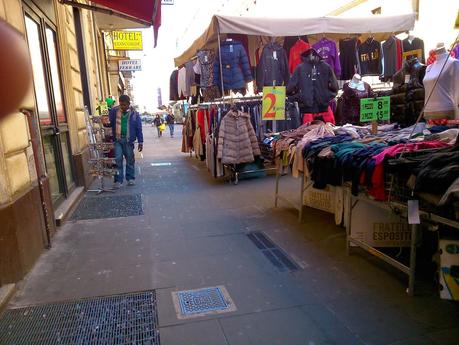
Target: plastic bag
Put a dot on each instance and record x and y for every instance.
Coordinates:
(162, 127)
(138, 155)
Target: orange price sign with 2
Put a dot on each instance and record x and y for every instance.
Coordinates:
(273, 107)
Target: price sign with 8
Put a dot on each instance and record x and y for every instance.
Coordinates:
(375, 109)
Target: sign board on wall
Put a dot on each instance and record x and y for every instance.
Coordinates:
(167, 2)
(273, 107)
(127, 40)
(130, 65)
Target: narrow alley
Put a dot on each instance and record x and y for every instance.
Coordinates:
(191, 231)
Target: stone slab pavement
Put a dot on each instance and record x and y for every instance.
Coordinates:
(193, 234)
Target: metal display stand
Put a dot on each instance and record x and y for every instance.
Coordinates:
(300, 206)
(400, 209)
(100, 164)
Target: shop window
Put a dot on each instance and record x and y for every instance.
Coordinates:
(33, 38)
(55, 77)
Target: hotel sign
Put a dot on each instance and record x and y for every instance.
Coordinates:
(127, 40)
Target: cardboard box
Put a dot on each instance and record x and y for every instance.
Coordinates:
(449, 269)
(379, 227)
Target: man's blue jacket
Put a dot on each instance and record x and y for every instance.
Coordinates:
(134, 126)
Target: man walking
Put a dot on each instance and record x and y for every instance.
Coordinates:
(170, 120)
(127, 127)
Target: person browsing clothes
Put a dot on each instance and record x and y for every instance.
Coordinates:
(127, 128)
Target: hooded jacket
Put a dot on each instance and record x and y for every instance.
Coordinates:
(237, 142)
(273, 66)
(313, 83)
(235, 66)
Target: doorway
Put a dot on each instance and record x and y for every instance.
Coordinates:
(43, 48)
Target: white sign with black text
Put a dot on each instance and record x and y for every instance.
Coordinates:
(167, 2)
(130, 65)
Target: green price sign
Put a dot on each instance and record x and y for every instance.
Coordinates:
(375, 109)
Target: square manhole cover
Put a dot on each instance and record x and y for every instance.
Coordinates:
(201, 302)
(121, 319)
(113, 206)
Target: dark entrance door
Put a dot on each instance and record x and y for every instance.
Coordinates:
(43, 47)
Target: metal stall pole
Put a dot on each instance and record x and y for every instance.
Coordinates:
(412, 269)
(278, 174)
(347, 217)
(220, 58)
(301, 206)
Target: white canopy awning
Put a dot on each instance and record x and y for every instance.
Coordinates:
(333, 27)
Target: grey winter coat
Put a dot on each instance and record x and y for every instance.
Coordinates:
(237, 142)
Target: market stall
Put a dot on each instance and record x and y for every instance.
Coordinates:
(234, 51)
(343, 141)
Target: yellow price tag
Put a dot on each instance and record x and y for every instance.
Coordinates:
(273, 106)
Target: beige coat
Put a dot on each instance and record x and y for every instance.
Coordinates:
(237, 142)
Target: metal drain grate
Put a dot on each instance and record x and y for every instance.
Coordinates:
(274, 254)
(121, 320)
(212, 300)
(115, 206)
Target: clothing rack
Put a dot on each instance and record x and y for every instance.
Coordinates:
(234, 178)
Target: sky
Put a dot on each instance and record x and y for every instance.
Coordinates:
(182, 23)
(158, 63)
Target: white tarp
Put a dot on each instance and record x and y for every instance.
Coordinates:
(334, 27)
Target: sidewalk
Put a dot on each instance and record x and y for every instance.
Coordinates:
(193, 234)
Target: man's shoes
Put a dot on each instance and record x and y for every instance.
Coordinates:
(131, 183)
(116, 185)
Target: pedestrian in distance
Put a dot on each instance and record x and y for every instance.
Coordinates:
(127, 128)
(158, 121)
(170, 120)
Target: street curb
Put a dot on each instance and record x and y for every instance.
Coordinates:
(6, 293)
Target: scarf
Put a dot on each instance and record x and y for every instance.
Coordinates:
(118, 124)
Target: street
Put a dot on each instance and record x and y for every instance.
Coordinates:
(191, 231)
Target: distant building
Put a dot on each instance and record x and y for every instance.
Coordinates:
(160, 99)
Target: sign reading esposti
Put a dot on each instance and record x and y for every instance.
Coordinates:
(130, 65)
(127, 40)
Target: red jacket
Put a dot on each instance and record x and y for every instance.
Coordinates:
(295, 54)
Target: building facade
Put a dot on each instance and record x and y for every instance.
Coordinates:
(43, 146)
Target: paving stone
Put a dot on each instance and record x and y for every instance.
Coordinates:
(277, 327)
(193, 234)
(195, 333)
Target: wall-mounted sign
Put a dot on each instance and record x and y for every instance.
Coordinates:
(167, 2)
(273, 103)
(130, 65)
(127, 40)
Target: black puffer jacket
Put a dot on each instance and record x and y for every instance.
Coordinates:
(313, 83)
(273, 66)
